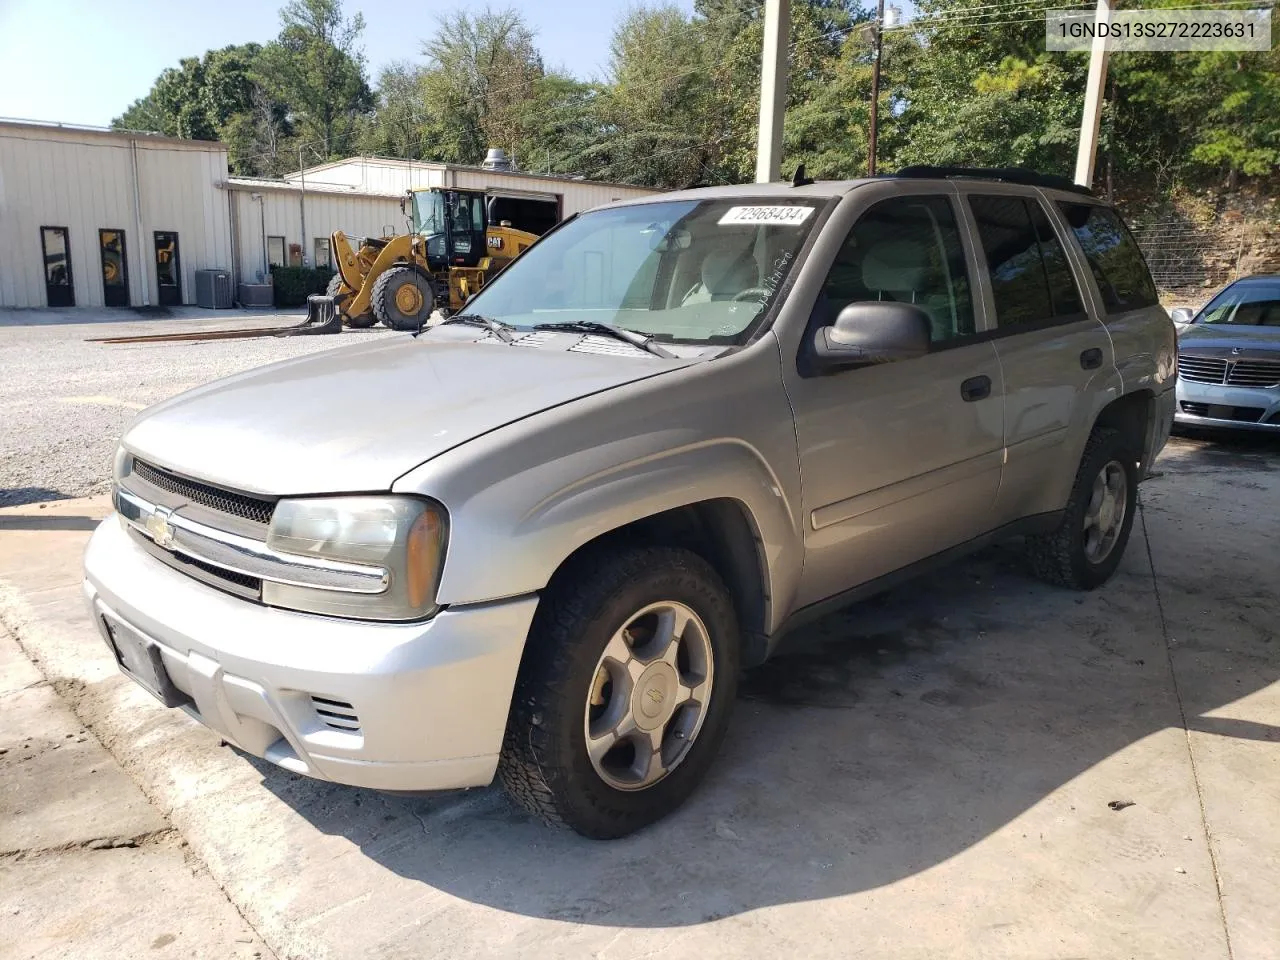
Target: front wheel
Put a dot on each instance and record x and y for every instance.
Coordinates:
(624, 692)
(1087, 546)
(402, 298)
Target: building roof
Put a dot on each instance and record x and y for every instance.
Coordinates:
(437, 165)
(47, 126)
(296, 186)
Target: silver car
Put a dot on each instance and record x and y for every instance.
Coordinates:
(668, 434)
(1229, 359)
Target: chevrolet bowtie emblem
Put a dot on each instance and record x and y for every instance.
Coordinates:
(158, 527)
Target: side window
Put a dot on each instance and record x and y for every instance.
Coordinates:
(907, 250)
(1062, 285)
(1114, 258)
(1031, 280)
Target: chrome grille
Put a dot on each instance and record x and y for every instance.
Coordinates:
(215, 498)
(1254, 373)
(336, 714)
(1202, 369)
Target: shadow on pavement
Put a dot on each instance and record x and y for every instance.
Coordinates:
(19, 496)
(49, 523)
(885, 740)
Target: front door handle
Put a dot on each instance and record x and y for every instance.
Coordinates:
(1091, 359)
(975, 388)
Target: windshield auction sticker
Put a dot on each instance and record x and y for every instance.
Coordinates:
(782, 216)
(1159, 30)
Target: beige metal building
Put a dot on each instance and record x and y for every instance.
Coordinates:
(361, 196)
(94, 217)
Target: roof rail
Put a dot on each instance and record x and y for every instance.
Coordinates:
(1021, 175)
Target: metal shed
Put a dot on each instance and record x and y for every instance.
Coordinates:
(93, 217)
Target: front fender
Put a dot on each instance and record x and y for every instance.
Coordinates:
(525, 497)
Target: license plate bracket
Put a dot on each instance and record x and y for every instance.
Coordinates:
(140, 660)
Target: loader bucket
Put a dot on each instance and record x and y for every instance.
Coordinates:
(322, 317)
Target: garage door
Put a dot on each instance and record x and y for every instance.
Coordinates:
(536, 214)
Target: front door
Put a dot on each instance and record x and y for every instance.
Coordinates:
(902, 460)
(115, 268)
(465, 217)
(168, 268)
(59, 288)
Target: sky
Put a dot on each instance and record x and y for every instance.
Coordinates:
(83, 62)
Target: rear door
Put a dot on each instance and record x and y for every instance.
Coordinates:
(898, 461)
(1054, 353)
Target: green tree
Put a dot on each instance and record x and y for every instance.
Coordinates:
(317, 70)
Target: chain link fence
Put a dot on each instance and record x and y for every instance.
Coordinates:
(1191, 260)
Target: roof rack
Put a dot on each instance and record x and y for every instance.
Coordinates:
(1021, 175)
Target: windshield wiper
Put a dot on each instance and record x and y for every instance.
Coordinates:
(608, 329)
(499, 329)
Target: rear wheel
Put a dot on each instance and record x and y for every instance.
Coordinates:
(624, 692)
(1087, 546)
(402, 298)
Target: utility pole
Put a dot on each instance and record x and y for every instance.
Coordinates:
(302, 205)
(872, 132)
(1092, 116)
(773, 89)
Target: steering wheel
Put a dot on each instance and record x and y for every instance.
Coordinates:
(751, 293)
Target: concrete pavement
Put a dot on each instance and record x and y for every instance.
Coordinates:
(88, 867)
(975, 765)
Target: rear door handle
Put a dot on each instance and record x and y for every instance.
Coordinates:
(1091, 359)
(975, 388)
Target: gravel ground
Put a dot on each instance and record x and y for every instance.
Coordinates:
(66, 402)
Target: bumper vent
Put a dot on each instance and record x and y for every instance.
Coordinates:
(1217, 411)
(215, 498)
(336, 714)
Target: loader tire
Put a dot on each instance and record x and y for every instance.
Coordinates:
(403, 298)
(367, 319)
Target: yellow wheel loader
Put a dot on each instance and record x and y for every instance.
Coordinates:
(446, 258)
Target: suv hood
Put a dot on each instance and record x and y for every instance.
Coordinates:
(357, 418)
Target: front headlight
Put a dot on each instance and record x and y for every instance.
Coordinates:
(405, 536)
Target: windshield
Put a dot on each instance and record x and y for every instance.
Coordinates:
(692, 271)
(1252, 304)
(428, 213)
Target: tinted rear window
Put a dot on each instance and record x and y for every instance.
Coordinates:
(1113, 255)
(1019, 283)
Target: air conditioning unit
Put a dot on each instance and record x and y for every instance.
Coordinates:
(257, 295)
(213, 290)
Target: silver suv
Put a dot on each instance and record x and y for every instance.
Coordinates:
(541, 539)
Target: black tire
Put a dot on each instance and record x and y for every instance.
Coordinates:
(1060, 557)
(383, 299)
(544, 764)
(333, 289)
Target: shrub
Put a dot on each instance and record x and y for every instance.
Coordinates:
(293, 285)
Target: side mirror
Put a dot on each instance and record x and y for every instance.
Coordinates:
(872, 332)
(404, 204)
(1181, 317)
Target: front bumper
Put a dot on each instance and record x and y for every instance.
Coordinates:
(1227, 407)
(422, 706)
